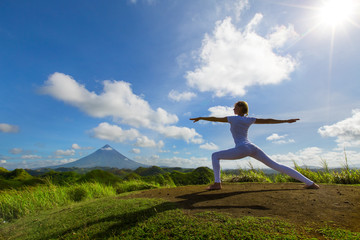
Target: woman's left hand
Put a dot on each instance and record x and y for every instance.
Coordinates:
(293, 120)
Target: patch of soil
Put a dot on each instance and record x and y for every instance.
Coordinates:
(335, 205)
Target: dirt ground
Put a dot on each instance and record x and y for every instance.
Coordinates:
(335, 205)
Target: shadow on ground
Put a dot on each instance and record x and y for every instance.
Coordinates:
(335, 205)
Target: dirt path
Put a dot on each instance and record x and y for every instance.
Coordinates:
(337, 205)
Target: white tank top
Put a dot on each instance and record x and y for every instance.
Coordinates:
(239, 128)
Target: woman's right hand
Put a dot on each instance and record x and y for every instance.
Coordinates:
(195, 119)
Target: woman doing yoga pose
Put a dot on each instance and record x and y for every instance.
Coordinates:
(239, 126)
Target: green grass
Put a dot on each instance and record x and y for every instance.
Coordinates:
(249, 176)
(345, 175)
(61, 189)
(114, 218)
(16, 203)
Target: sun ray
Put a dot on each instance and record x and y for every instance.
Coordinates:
(355, 24)
(329, 77)
(305, 34)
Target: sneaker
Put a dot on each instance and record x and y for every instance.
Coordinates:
(312, 186)
(215, 186)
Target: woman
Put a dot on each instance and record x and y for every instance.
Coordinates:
(239, 126)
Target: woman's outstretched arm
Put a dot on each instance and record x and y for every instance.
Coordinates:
(211, 119)
(274, 121)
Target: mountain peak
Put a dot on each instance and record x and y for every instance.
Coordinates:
(107, 147)
(105, 157)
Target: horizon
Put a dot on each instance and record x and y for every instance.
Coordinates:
(107, 146)
(76, 75)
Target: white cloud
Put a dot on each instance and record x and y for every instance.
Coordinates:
(239, 6)
(36, 163)
(136, 150)
(154, 157)
(209, 146)
(144, 141)
(150, 2)
(347, 132)
(232, 60)
(281, 35)
(284, 141)
(232, 8)
(182, 60)
(175, 161)
(114, 133)
(250, 27)
(313, 156)
(77, 147)
(117, 100)
(280, 139)
(69, 152)
(275, 136)
(308, 156)
(184, 133)
(16, 151)
(2, 161)
(8, 128)
(64, 161)
(30, 156)
(221, 111)
(184, 96)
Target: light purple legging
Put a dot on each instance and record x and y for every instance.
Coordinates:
(249, 149)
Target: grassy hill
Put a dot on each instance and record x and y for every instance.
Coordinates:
(114, 218)
(17, 178)
(70, 205)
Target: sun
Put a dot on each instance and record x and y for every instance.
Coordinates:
(336, 12)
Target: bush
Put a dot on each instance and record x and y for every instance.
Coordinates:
(19, 174)
(151, 171)
(251, 176)
(168, 180)
(9, 184)
(347, 177)
(161, 179)
(78, 194)
(179, 178)
(132, 176)
(101, 176)
(3, 173)
(16, 183)
(201, 175)
(281, 178)
(61, 178)
(133, 185)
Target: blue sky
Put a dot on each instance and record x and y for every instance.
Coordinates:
(76, 75)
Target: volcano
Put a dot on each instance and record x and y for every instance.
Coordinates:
(104, 157)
